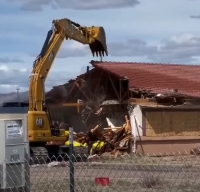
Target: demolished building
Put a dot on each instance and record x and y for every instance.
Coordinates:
(109, 91)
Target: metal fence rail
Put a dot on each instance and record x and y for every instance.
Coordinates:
(110, 173)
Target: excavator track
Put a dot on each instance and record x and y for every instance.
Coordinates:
(39, 155)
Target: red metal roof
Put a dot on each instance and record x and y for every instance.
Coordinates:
(158, 78)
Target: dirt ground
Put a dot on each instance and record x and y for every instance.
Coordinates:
(127, 173)
(50, 179)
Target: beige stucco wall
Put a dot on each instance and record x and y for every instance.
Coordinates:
(172, 123)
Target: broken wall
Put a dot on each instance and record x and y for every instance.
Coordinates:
(135, 114)
(93, 88)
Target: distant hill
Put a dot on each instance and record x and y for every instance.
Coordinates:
(23, 96)
(12, 97)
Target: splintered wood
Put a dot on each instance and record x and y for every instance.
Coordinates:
(113, 140)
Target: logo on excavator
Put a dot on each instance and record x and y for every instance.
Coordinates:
(40, 122)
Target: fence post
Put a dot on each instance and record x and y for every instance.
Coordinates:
(71, 158)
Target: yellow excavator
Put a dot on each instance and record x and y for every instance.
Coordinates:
(40, 126)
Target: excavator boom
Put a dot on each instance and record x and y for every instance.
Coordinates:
(94, 36)
(62, 29)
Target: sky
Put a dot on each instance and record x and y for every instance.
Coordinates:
(157, 31)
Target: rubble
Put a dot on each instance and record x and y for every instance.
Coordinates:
(113, 140)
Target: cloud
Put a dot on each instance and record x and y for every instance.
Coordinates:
(19, 78)
(37, 5)
(71, 49)
(130, 48)
(195, 16)
(176, 49)
(7, 59)
(67, 52)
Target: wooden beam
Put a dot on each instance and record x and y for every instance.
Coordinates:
(142, 101)
(114, 88)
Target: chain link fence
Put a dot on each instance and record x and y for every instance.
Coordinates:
(112, 173)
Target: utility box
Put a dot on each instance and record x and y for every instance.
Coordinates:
(14, 149)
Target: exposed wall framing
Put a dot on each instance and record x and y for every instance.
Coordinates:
(90, 85)
(94, 88)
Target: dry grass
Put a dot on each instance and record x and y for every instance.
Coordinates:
(141, 159)
(81, 186)
(149, 183)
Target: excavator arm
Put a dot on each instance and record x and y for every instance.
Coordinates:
(38, 121)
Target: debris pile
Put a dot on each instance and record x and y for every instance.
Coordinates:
(113, 140)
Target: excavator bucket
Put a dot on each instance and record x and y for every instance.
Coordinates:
(98, 44)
